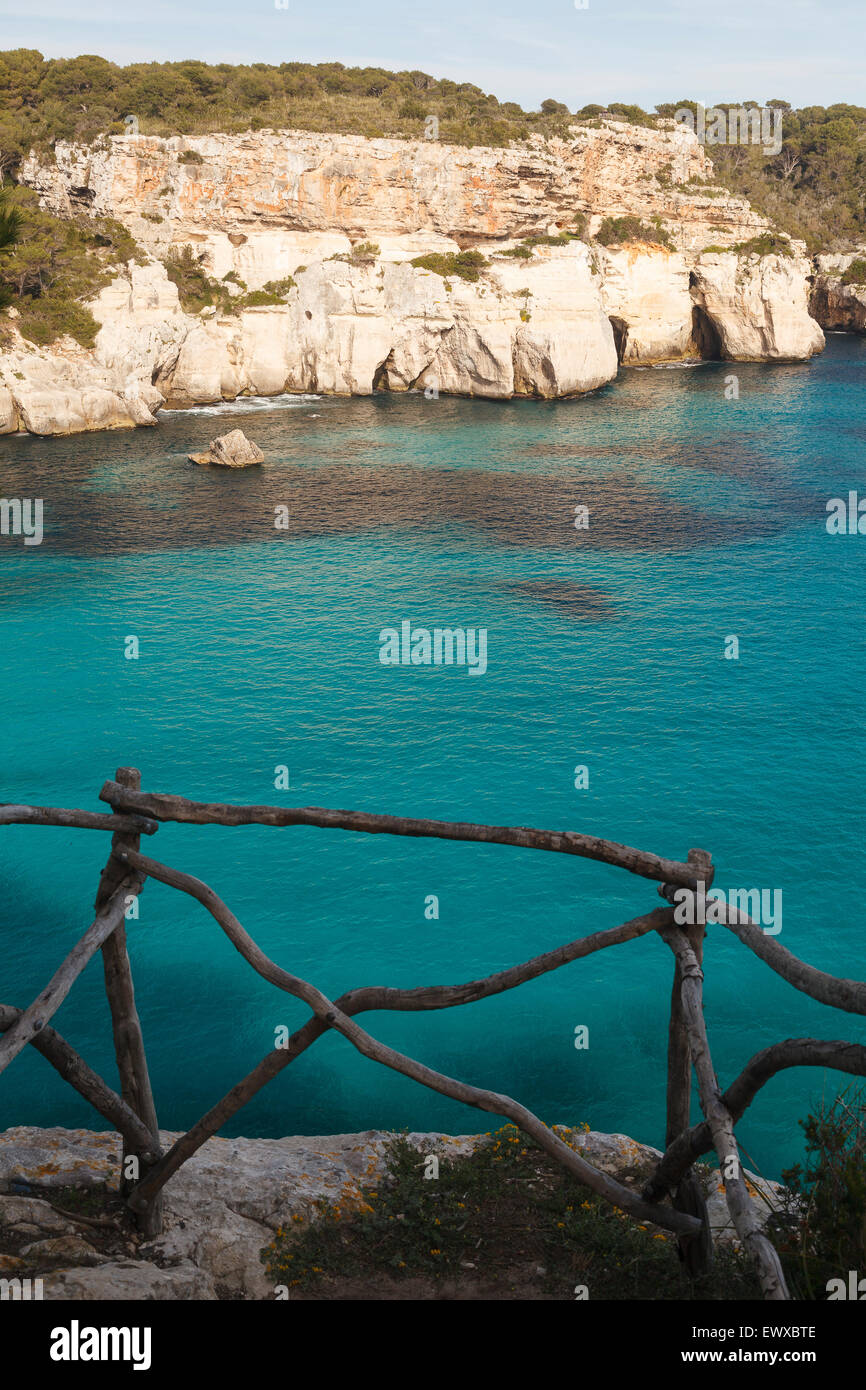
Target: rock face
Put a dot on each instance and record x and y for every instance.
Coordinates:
(226, 1203)
(646, 294)
(272, 204)
(258, 203)
(67, 389)
(837, 307)
(758, 306)
(538, 329)
(232, 450)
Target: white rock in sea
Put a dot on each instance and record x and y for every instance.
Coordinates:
(232, 450)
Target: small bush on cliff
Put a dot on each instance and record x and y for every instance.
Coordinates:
(561, 239)
(466, 265)
(822, 1234)
(766, 244)
(272, 292)
(191, 157)
(492, 1219)
(618, 231)
(196, 290)
(855, 274)
(53, 265)
(362, 253)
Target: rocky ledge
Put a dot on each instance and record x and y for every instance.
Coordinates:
(227, 1203)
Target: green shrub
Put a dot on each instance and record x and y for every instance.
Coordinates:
(272, 292)
(195, 288)
(50, 265)
(765, 244)
(466, 265)
(505, 1208)
(517, 253)
(618, 231)
(363, 253)
(191, 157)
(51, 316)
(561, 239)
(821, 1234)
(855, 274)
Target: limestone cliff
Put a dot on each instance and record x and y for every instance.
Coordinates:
(837, 307)
(541, 320)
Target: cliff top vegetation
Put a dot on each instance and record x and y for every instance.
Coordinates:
(814, 188)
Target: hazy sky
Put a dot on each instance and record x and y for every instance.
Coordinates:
(807, 51)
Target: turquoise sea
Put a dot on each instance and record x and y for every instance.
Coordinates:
(259, 647)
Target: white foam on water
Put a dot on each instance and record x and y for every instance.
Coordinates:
(245, 405)
(676, 366)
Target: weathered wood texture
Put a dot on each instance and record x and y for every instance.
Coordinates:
(11, 814)
(128, 1040)
(133, 1113)
(332, 1016)
(794, 1052)
(688, 1196)
(736, 1192)
(162, 806)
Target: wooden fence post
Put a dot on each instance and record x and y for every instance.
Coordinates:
(128, 1041)
(688, 1195)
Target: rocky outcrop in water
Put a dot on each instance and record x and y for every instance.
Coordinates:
(232, 450)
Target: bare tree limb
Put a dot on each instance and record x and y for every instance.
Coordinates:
(736, 1192)
(126, 1026)
(380, 997)
(76, 820)
(329, 1013)
(162, 806)
(72, 1067)
(794, 1052)
(838, 993)
(697, 1255)
(46, 1004)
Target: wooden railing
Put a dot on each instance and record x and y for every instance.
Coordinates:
(132, 1111)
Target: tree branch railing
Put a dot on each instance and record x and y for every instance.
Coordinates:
(672, 1198)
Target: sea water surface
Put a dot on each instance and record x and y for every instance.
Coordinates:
(259, 647)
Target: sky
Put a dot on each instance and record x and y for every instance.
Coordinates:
(805, 51)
